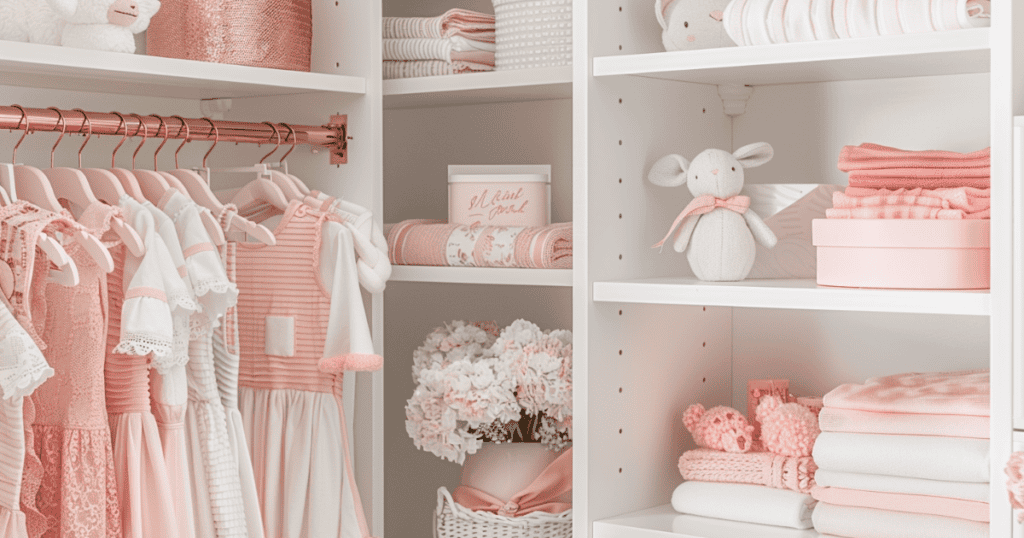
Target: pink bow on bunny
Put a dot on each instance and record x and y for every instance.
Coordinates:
(705, 204)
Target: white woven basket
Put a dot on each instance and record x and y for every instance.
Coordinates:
(452, 520)
(532, 33)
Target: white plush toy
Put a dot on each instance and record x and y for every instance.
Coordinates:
(87, 24)
(717, 225)
(692, 24)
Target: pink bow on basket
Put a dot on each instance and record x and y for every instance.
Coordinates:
(705, 204)
(537, 497)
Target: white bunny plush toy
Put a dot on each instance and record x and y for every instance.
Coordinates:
(692, 24)
(86, 24)
(717, 225)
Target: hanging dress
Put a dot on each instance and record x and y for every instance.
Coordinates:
(301, 325)
(143, 289)
(372, 263)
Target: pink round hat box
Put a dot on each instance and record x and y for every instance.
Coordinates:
(499, 199)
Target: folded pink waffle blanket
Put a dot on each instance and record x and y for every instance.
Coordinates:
(968, 200)
(833, 419)
(939, 393)
(454, 22)
(899, 502)
(903, 212)
(928, 178)
(877, 157)
(757, 468)
(434, 242)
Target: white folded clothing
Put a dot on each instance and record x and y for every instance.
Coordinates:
(432, 49)
(967, 491)
(916, 456)
(856, 522)
(744, 502)
(430, 68)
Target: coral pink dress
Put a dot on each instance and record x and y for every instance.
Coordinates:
(302, 324)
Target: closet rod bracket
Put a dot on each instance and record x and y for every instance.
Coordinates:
(339, 150)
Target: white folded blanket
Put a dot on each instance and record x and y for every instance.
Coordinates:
(436, 49)
(917, 456)
(872, 523)
(430, 68)
(900, 484)
(744, 502)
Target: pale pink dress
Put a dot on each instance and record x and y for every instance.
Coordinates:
(301, 325)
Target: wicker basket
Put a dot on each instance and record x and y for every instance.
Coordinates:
(276, 34)
(532, 33)
(454, 521)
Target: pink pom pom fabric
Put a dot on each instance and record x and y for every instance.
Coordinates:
(787, 429)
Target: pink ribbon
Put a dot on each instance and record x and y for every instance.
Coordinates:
(555, 480)
(705, 204)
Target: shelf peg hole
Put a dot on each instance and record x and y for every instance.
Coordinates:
(620, 142)
(705, 344)
(620, 312)
(620, 100)
(620, 470)
(620, 256)
(620, 180)
(620, 430)
(705, 380)
(620, 352)
(620, 215)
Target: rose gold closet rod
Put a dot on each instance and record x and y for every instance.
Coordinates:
(333, 136)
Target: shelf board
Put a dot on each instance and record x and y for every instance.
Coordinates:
(792, 294)
(474, 88)
(664, 522)
(911, 55)
(482, 275)
(47, 66)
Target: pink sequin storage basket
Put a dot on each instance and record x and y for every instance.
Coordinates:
(276, 34)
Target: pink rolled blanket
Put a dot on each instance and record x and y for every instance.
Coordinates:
(833, 419)
(757, 468)
(940, 393)
(436, 243)
(454, 22)
(876, 157)
(900, 502)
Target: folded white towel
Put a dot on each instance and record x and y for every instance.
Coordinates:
(744, 502)
(916, 456)
(872, 523)
(430, 68)
(432, 49)
(900, 484)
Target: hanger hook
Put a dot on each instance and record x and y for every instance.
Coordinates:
(63, 129)
(24, 116)
(145, 136)
(124, 123)
(276, 133)
(184, 141)
(216, 138)
(86, 122)
(295, 140)
(167, 133)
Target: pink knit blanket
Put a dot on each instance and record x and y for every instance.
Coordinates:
(876, 157)
(833, 419)
(901, 502)
(454, 22)
(941, 393)
(757, 468)
(433, 242)
(902, 212)
(968, 200)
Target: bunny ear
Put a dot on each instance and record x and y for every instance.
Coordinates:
(754, 154)
(669, 171)
(64, 8)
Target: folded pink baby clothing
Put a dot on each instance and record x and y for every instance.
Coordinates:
(432, 242)
(938, 393)
(833, 419)
(835, 520)
(921, 177)
(757, 468)
(876, 157)
(454, 22)
(899, 502)
(969, 199)
(899, 212)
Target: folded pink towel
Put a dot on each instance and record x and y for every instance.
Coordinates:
(901, 502)
(940, 393)
(969, 199)
(833, 419)
(901, 212)
(921, 177)
(757, 468)
(434, 242)
(454, 22)
(876, 157)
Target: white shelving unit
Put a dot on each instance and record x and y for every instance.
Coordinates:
(474, 88)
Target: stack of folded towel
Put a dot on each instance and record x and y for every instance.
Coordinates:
(460, 41)
(905, 455)
(890, 183)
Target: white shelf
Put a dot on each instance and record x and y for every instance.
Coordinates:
(47, 66)
(664, 522)
(937, 53)
(482, 275)
(472, 88)
(792, 294)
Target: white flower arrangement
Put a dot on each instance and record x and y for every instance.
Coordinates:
(476, 385)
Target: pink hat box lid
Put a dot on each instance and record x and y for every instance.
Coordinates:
(902, 254)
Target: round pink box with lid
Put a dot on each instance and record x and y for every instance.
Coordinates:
(499, 199)
(903, 254)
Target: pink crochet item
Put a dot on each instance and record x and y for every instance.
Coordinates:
(758, 468)
(787, 429)
(719, 428)
(1015, 484)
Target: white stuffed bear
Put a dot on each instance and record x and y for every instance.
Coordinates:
(87, 24)
(717, 225)
(692, 24)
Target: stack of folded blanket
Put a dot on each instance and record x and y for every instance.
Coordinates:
(460, 41)
(905, 455)
(890, 183)
(437, 243)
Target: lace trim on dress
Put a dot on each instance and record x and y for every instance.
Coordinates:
(181, 299)
(22, 366)
(140, 344)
